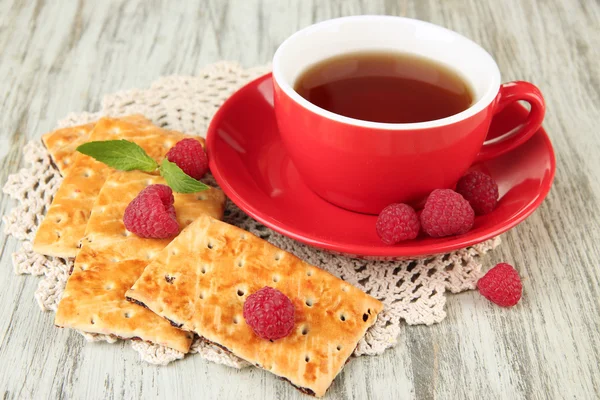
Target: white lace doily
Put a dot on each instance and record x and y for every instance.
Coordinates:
(412, 290)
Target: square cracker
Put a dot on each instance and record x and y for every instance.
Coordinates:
(202, 278)
(64, 225)
(112, 259)
(61, 143)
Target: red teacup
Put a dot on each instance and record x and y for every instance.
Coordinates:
(364, 166)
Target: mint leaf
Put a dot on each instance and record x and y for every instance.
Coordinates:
(178, 180)
(119, 154)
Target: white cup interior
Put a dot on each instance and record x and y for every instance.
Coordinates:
(385, 33)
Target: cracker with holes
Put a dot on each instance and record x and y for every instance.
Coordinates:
(202, 279)
(64, 225)
(61, 143)
(112, 259)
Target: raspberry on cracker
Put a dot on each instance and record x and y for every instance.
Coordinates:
(152, 214)
(269, 313)
(189, 155)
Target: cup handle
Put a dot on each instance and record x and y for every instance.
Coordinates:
(511, 92)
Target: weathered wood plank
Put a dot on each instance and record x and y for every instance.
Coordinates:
(62, 56)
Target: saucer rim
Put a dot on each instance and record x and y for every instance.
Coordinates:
(396, 251)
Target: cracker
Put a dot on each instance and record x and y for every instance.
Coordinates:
(61, 143)
(64, 225)
(111, 259)
(202, 278)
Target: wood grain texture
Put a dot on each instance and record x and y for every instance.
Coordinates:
(62, 56)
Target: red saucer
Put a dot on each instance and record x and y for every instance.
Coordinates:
(250, 164)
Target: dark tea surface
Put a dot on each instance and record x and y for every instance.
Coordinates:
(385, 87)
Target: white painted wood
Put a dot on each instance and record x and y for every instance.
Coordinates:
(61, 56)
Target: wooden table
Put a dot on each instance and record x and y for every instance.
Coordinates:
(62, 56)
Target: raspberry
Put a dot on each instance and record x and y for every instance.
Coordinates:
(189, 155)
(151, 214)
(446, 213)
(397, 222)
(269, 313)
(501, 285)
(479, 190)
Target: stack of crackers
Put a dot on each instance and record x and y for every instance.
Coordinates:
(165, 291)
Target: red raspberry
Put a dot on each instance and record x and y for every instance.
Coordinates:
(397, 222)
(479, 190)
(501, 285)
(151, 214)
(269, 313)
(189, 155)
(446, 213)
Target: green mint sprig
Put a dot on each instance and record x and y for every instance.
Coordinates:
(124, 155)
(119, 154)
(178, 180)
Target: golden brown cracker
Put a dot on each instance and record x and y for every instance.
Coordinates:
(202, 278)
(112, 259)
(64, 225)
